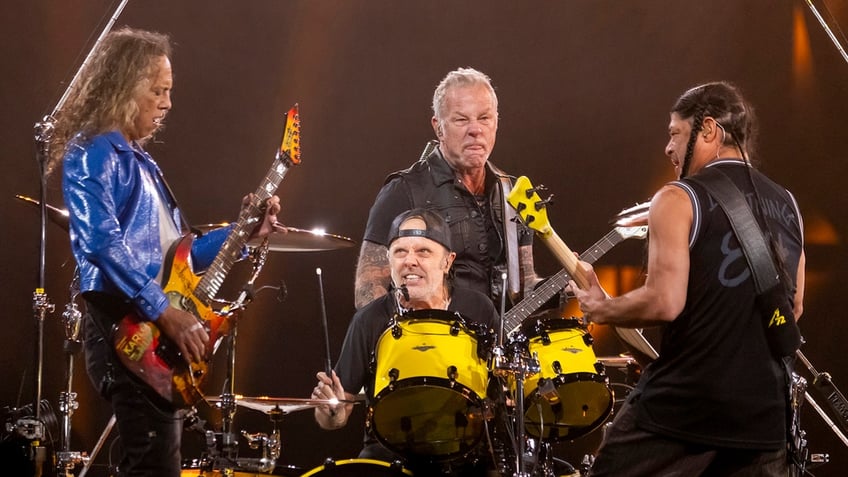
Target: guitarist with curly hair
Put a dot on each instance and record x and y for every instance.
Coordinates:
(123, 220)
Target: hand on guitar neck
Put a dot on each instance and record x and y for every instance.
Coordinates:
(270, 209)
(584, 284)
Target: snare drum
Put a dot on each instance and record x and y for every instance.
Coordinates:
(568, 398)
(429, 385)
(357, 468)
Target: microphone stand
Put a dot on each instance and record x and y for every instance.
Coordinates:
(229, 442)
(834, 398)
(33, 428)
(66, 460)
(520, 366)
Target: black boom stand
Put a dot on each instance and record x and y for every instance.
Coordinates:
(33, 425)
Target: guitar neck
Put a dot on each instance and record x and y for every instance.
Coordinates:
(556, 282)
(249, 217)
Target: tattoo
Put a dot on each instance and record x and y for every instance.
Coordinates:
(373, 276)
(527, 269)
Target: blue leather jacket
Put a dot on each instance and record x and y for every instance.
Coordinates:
(114, 221)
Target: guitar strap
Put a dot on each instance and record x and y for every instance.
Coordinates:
(513, 285)
(744, 225)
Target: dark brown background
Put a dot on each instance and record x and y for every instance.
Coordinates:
(584, 90)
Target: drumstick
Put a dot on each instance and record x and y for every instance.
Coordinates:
(328, 367)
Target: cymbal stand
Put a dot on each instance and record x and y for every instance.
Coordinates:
(834, 398)
(270, 445)
(519, 366)
(66, 460)
(229, 439)
(41, 305)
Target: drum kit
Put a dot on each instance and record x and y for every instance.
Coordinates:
(543, 385)
(445, 392)
(473, 389)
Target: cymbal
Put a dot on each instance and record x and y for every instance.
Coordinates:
(299, 240)
(293, 239)
(58, 216)
(289, 239)
(616, 361)
(286, 405)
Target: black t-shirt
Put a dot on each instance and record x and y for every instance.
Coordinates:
(715, 382)
(354, 366)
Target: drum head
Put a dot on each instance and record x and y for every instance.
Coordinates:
(426, 417)
(582, 402)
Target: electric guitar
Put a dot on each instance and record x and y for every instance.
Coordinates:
(531, 208)
(140, 345)
(514, 317)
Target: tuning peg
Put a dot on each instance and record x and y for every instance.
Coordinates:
(520, 207)
(533, 190)
(539, 205)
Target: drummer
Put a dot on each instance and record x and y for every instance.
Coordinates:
(420, 259)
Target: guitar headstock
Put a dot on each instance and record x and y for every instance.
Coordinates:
(530, 207)
(637, 232)
(633, 216)
(290, 146)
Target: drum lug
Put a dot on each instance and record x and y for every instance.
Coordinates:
(557, 367)
(454, 329)
(600, 368)
(587, 338)
(396, 332)
(545, 337)
(394, 374)
(452, 374)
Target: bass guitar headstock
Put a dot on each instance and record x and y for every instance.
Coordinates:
(530, 206)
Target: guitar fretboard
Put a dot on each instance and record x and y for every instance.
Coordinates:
(556, 282)
(249, 217)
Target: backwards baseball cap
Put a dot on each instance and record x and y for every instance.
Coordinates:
(436, 228)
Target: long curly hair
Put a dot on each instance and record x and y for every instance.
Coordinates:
(103, 99)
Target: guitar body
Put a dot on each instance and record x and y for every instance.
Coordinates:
(151, 356)
(140, 345)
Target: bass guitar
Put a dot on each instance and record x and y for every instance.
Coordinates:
(546, 290)
(532, 211)
(139, 344)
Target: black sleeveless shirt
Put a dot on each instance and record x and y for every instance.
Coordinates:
(715, 382)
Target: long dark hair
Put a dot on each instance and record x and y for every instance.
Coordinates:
(723, 102)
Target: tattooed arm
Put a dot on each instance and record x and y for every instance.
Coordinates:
(527, 271)
(373, 276)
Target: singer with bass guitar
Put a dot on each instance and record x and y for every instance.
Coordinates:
(123, 220)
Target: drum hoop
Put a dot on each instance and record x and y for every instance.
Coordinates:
(419, 381)
(330, 463)
(582, 376)
(532, 328)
